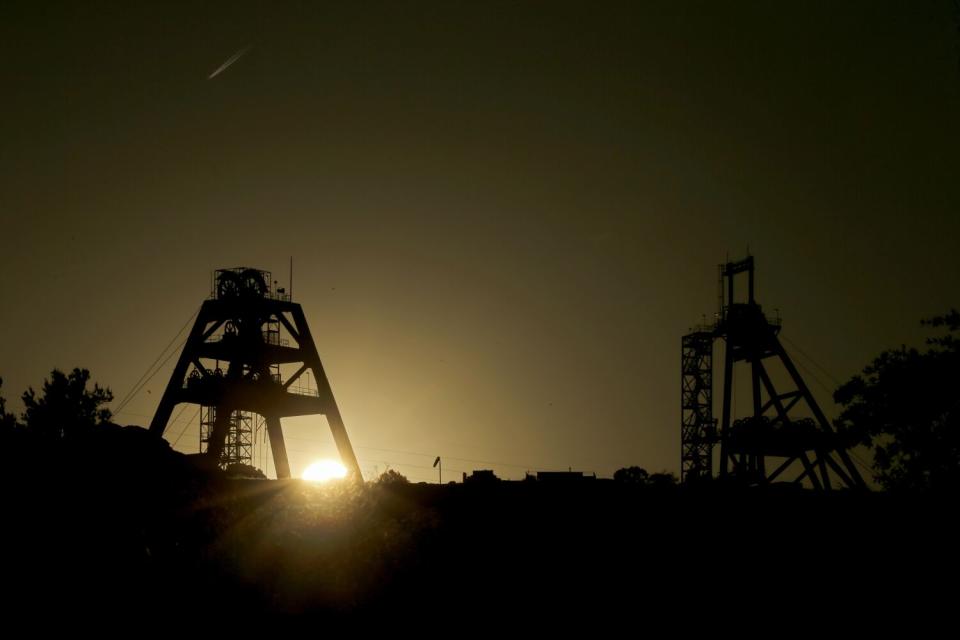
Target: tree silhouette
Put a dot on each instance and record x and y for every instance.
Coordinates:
(639, 476)
(662, 480)
(7, 421)
(66, 408)
(631, 475)
(392, 476)
(906, 407)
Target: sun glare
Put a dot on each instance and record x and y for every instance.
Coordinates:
(324, 471)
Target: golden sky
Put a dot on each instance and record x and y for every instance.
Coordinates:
(503, 215)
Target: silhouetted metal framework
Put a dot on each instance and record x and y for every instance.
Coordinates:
(239, 327)
(699, 427)
(772, 440)
(243, 432)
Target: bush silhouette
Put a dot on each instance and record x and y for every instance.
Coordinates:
(392, 476)
(638, 476)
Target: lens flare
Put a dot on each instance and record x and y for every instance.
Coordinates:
(324, 471)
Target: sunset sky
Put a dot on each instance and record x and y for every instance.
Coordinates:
(503, 215)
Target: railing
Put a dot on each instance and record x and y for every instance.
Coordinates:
(303, 391)
(744, 310)
(203, 381)
(269, 337)
(272, 337)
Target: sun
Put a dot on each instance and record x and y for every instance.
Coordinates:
(324, 471)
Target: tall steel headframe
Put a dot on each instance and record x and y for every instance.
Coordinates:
(231, 367)
(699, 428)
(784, 436)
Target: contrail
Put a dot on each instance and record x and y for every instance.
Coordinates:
(230, 61)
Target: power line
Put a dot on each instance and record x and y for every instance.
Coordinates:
(188, 423)
(857, 459)
(126, 398)
(142, 415)
(811, 360)
(156, 371)
(426, 455)
(412, 466)
(430, 455)
(813, 375)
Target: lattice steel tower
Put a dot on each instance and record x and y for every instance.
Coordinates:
(773, 442)
(240, 327)
(699, 427)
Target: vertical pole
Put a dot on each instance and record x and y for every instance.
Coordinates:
(720, 295)
(727, 401)
(726, 272)
(755, 380)
(218, 435)
(278, 447)
(730, 299)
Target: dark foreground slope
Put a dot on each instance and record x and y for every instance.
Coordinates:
(124, 526)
